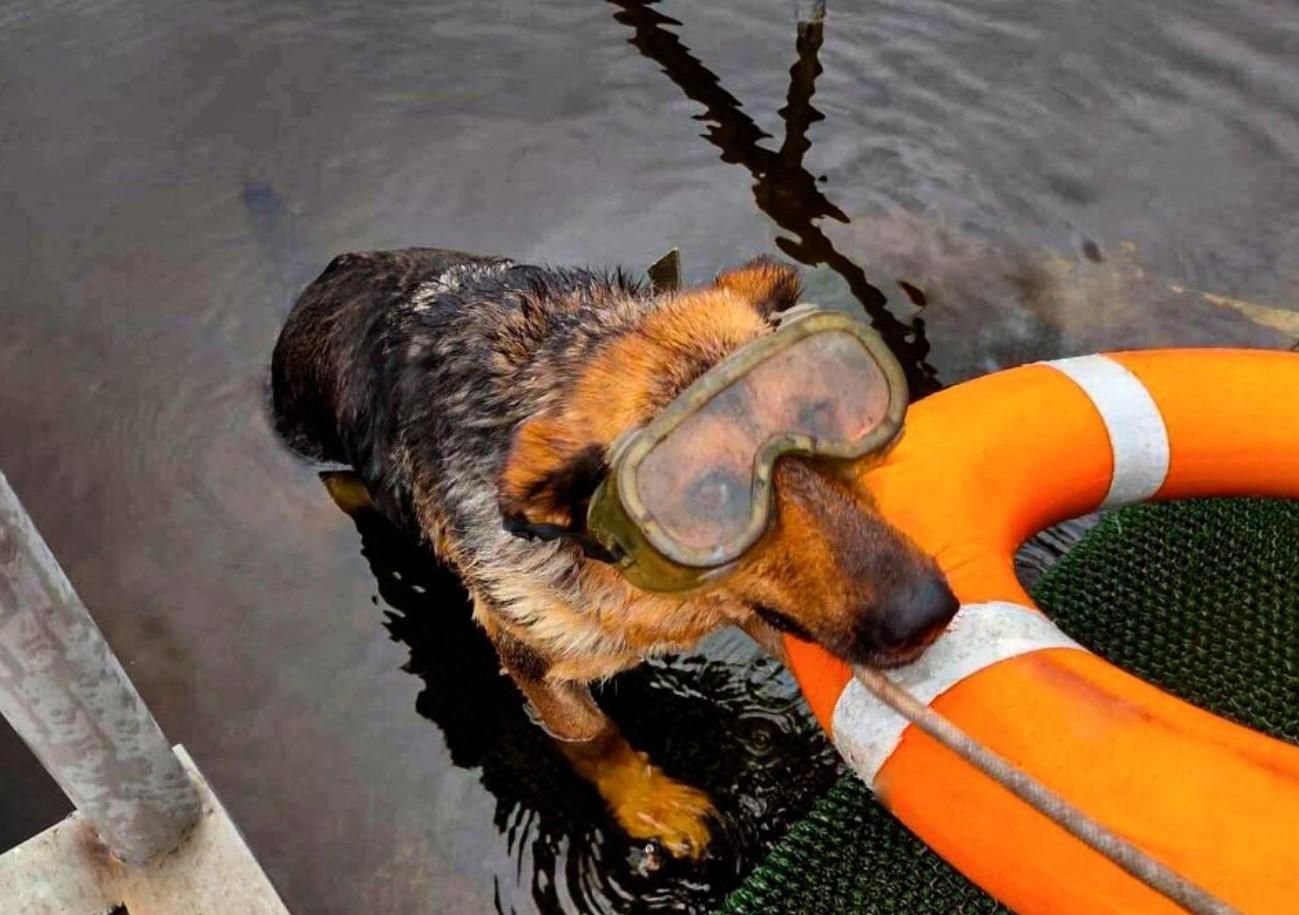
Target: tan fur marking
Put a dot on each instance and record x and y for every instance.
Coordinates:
(623, 387)
(617, 391)
(768, 286)
(794, 565)
(645, 802)
(541, 445)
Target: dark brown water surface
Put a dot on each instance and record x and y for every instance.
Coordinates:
(992, 182)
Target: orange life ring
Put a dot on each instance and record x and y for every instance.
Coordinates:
(983, 466)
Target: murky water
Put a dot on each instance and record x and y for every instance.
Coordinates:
(1043, 178)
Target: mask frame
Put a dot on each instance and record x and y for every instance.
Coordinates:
(624, 527)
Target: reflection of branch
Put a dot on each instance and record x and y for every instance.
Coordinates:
(783, 188)
(798, 113)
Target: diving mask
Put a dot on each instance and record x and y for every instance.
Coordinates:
(689, 493)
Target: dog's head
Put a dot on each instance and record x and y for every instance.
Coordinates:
(829, 569)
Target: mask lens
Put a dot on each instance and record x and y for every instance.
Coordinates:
(697, 482)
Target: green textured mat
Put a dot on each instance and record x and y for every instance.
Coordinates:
(1200, 598)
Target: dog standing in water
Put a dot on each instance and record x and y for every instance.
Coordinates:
(478, 400)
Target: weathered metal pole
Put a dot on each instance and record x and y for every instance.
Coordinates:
(65, 693)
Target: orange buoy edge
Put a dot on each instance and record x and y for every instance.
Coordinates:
(983, 466)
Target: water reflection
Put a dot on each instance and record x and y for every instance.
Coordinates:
(727, 722)
(782, 187)
(989, 298)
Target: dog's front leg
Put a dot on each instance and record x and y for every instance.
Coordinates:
(647, 803)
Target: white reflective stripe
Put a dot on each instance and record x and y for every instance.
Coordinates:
(867, 731)
(1136, 427)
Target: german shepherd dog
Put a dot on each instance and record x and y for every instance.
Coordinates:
(477, 398)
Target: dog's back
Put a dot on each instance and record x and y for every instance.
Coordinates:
(328, 363)
(416, 366)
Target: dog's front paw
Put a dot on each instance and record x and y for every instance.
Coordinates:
(650, 805)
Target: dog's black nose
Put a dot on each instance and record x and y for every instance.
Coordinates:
(914, 613)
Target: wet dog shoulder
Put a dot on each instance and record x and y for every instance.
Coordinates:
(399, 271)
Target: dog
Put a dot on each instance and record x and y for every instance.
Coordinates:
(477, 399)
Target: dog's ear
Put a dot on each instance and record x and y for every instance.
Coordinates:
(549, 479)
(768, 284)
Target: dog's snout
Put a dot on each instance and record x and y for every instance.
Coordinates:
(915, 613)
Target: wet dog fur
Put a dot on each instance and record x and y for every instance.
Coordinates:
(477, 398)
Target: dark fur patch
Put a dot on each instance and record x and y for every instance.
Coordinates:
(553, 504)
(527, 530)
(779, 621)
(416, 366)
(519, 658)
(568, 487)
